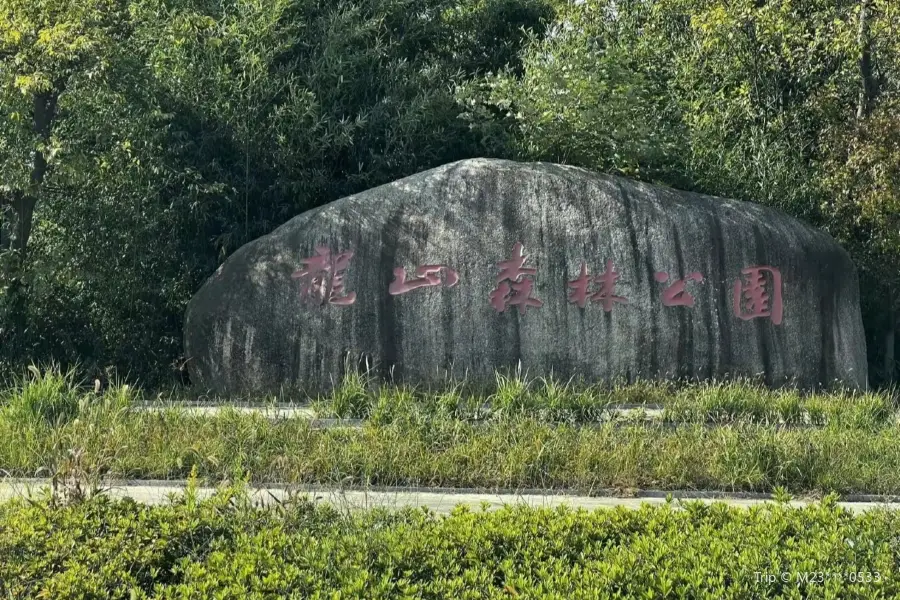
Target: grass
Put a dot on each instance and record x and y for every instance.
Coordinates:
(522, 435)
(225, 547)
(515, 453)
(548, 400)
(512, 439)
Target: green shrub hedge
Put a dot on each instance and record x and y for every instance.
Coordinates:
(225, 547)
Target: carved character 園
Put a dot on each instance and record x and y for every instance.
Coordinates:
(755, 297)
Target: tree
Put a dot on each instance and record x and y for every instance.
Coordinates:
(185, 128)
(47, 46)
(583, 97)
(789, 103)
(862, 171)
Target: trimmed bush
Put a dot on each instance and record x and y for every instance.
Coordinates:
(226, 548)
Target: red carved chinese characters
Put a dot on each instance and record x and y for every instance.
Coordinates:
(751, 298)
(756, 294)
(606, 294)
(426, 276)
(675, 294)
(322, 278)
(514, 289)
(579, 294)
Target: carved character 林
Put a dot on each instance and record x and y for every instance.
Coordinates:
(580, 293)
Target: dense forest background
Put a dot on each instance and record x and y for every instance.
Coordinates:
(143, 141)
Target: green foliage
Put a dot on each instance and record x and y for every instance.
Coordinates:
(488, 35)
(757, 101)
(188, 128)
(50, 397)
(224, 547)
(47, 46)
(581, 100)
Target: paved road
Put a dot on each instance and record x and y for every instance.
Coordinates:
(440, 501)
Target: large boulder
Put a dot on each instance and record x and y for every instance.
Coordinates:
(482, 265)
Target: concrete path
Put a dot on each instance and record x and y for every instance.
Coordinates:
(438, 500)
(619, 414)
(622, 415)
(288, 411)
(274, 412)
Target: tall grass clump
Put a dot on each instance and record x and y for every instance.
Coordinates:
(724, 402)
(866, 410)
(515, 395)
(49, 396)
(750, 402)
(352, 398)
(512, 395)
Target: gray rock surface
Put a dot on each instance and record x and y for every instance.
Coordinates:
(267, 318)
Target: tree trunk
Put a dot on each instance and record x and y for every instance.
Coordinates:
(7, 220)
(14, 233)
(890, 361)
(24, 207)
(867, 83)
(44, 113)
(867, 93)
